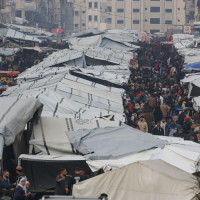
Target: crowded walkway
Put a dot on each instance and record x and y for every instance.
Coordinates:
(155, 101)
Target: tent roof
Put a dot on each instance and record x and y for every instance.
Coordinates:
(113, 142)
(20, 36)
(49, 135)
(152, 180)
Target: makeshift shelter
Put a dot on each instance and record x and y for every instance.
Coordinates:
(152, 180)
(41, 170)
(14, 115)
(113, 142)
(192, 67)
(18, 36)
(49, 137)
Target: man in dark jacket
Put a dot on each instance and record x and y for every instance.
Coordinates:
(158, 130)
(63, 183)
(6, 184)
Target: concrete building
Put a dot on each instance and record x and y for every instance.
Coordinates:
(89, 14)
(145, 15)
(190, 11)
(7, 9)
(47, 14)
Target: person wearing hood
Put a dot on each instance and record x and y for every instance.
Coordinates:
(20, 190)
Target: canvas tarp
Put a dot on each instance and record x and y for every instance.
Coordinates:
(8, 51)
(99, 54)
(49, 138)
(113, 142)
(88, 33)
(14, 115)
(152, 180)
(182, 156)
(16, 35)
(84, 43)
(103, 76)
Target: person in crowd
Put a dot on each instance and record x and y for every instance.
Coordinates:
(19, 173)
(6, 184)
(163, 124)
(165, 109)
(143, 125)
(20, 190)
(63, 183)
(172, 129)
(158, 130)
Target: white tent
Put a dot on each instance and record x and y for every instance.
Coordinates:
(49, 133)
(14, 115)
(152, 180)
(179, 153)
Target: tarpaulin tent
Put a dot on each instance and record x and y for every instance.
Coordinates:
(14, 115)
(113, 142)
(180, 155)
(42, 170)
(48, 136)
(152, 180)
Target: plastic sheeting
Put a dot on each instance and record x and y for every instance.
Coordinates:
(35, 166)
(49, 136)
(192, 67)
(182, 156)
(14, 115)
(20, 36)
(152, 180)
(84, 43)
(8, 51)
(111, 56)
(104, 76)
(112, 142)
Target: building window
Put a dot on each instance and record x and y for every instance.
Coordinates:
(168, 21)
(168, 0)
(154, 20)
(83, 24)
(109, 20)
(136, 21)
(154, 31)
(155, 9)
(136, 10)
(76, 13)
(90, 18)
(120, 10)
(168, 10)
(95, 4)
(76, 25)
(18, 13)
(155, 0)
(83, 11)
(90, 4)
(136, 0)
(120, 21)
(95, 18)
(109, 9)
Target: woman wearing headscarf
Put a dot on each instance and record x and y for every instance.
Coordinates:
(20, 190)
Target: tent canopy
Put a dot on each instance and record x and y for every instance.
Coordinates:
(152, 180)
(113, 142)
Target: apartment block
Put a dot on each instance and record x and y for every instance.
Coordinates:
(145, 15)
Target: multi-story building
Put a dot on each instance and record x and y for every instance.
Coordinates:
(189, 11)
(89, 14)
(145, 15)
(7, 9)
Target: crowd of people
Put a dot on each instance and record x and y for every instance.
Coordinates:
(19, 190)
(155, 101)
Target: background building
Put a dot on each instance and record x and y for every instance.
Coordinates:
(145, 15)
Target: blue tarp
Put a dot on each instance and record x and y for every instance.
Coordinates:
(193, 66)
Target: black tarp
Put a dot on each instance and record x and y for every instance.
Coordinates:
(42, 173)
